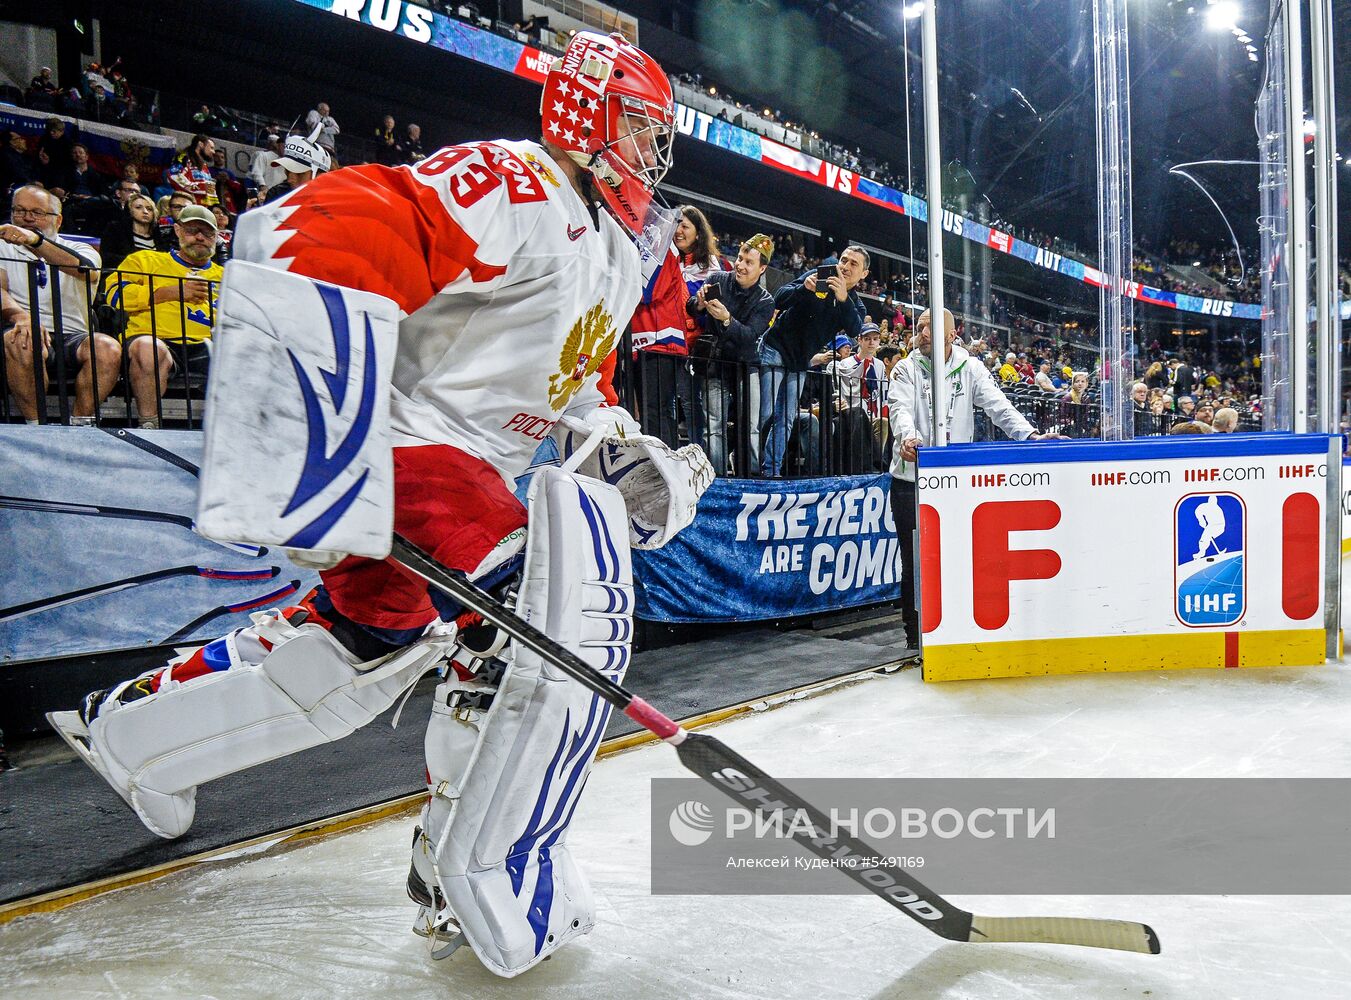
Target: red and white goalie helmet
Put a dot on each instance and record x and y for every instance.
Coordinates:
(610, 107)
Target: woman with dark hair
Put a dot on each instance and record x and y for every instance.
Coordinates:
(224, 234)
(698, 247)
(699, 259)
(133, 230)
(662, 331)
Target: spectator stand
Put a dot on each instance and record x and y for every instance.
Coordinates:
(181, 404)
(109, 146)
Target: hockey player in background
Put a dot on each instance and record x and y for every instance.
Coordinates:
(510, 267)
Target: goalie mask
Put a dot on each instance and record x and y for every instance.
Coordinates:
(610, 107)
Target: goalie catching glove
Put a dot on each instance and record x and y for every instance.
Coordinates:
(661, 485)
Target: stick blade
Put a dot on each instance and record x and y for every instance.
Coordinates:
(1119, 935)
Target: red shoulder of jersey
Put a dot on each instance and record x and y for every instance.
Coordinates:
(379, 229)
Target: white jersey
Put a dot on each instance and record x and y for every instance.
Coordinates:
(861, 383)
(77, 290)
(512, 294)
(970, 384)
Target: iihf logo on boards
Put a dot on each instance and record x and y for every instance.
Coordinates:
(1209, 579)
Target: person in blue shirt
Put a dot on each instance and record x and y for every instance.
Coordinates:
(810, 313)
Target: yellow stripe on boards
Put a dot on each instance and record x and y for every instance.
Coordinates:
(1120, 653)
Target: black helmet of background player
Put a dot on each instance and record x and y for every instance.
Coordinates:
(609, 106)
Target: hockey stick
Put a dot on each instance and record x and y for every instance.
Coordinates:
(122, 434)
(114, 586)
(230, 609)
(125, 513)
(745, 783)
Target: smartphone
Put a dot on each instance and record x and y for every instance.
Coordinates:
(825, 272)
(711, 293)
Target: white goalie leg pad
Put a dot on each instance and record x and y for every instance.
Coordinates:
(307, 690)
(495, 829)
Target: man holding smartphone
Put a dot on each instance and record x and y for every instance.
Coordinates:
(734, 311)
(812, 311)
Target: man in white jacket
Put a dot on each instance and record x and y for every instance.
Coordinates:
(910, 409)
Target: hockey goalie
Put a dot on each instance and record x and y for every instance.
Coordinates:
(392, 346)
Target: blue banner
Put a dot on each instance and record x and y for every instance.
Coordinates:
(763, 550)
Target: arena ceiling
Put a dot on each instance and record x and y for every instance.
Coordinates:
(1017, 85)
(1016, 81)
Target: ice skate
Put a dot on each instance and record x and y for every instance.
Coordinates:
(434, 922)
(280, 685)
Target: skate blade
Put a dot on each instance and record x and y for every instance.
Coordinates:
(71, 728)
(440, 943)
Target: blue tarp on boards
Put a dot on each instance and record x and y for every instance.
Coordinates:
(55, 543)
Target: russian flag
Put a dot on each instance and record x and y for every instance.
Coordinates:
(793, 161)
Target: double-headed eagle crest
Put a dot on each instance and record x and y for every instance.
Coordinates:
(541, 169)
(589, 342)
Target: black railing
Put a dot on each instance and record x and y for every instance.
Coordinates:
(835, 426)
(1055, 414)
(91, 350)
(832, 428)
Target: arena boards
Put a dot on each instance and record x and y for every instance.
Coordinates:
(69, 838)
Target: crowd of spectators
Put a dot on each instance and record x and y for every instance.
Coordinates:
(95, 94)
(797, 383)
(99, 93)
(149, 293)
(133, 217)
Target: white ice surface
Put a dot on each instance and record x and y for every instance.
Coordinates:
(330, 920)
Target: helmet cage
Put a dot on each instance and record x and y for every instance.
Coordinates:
(640, 136)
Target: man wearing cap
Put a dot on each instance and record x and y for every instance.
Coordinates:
(42, 91)
(302, 161)
(859, 385)
(170, 302)
(734, 311)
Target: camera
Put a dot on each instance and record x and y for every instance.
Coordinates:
(712, 293)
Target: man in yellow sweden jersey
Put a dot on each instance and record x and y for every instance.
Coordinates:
(170, 302)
